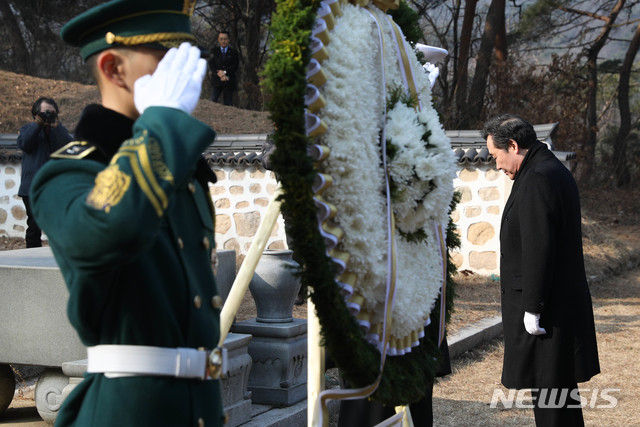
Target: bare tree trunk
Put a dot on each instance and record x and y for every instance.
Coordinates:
(448, 100)
(460, 84)
(592, 91)
(253, 55)
(501, 39)
(22, 64)
(483, 61)
(621, 168)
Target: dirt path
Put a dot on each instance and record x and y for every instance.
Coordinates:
(464, 397)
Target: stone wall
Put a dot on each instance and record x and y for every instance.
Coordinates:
(484, 191)
(243, 191)
(13, 217)
(241, 196)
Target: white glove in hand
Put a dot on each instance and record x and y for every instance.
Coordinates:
(176, 83)
(433, 72)
(532, 323)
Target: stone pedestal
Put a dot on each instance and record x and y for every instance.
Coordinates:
(279, 353)
(49, 393)
(75, 371)
(235, 397)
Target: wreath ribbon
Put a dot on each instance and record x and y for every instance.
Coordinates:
(442, 246)
(407, 72)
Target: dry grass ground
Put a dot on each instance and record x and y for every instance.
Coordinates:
(20, 91)
(478, 297)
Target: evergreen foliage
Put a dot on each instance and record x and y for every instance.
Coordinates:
(409, 21)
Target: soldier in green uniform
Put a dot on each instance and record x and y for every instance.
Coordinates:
(129, 218)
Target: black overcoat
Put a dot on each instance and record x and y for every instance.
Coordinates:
(228, 62)
(542, 271)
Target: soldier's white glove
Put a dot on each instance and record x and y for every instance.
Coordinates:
(176, 83)
(433, 72)
(532, 323)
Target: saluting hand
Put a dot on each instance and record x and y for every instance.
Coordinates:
(176, 83)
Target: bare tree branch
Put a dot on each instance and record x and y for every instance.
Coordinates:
(585, 13)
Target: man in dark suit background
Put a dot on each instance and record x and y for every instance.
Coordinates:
(223, 64)
(549, 333)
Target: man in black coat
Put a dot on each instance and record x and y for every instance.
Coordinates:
(223, 64)
(549, 333)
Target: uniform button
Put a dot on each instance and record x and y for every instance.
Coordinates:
(180, 243)
(192, 187)
(502, 291)
(216, 301)
(200, 422)
(197, 301)
(205, 242)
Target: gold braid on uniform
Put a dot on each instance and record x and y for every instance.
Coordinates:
(188, 7)
(147, 38)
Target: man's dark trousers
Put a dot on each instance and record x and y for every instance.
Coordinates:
(33, 236)
(550, 411)
(227, 94)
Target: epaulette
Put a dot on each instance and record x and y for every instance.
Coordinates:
(74, 150)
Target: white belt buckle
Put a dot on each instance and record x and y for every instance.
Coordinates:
(216, 363)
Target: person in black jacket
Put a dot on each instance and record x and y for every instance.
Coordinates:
(38, 140)
(547, 314)
(224, 66)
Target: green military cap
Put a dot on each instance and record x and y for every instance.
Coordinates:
(156, 23)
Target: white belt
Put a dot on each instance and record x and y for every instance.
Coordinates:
(128, 360)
